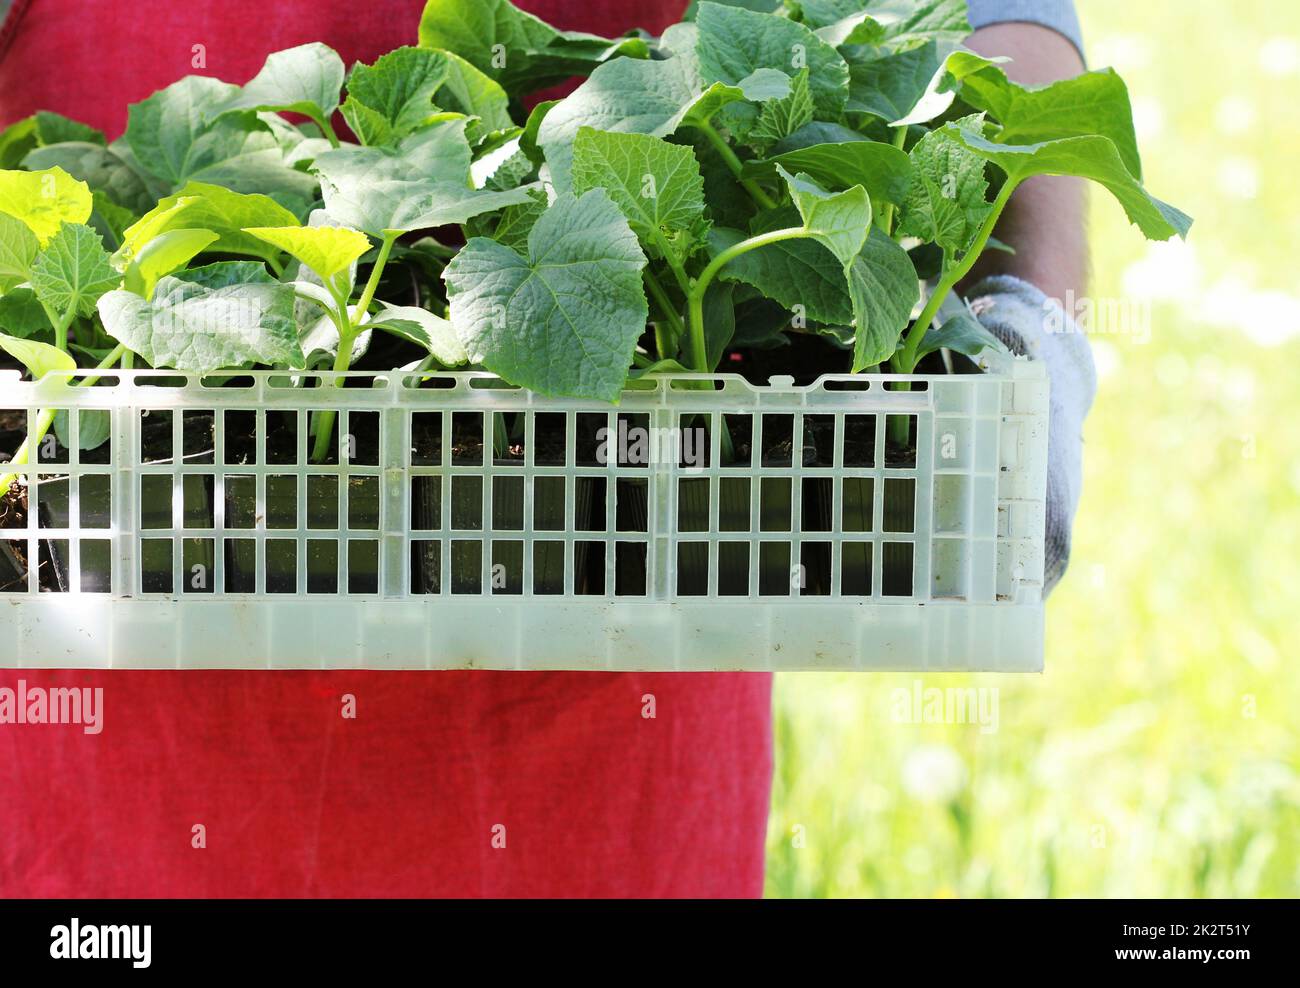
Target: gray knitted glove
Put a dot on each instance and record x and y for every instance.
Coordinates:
(1017, 313)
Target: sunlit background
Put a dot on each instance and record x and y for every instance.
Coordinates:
(1158, 755)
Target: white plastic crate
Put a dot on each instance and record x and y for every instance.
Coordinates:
(240, 553)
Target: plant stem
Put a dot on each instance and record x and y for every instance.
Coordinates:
(695, 300)
(729, 156)
(46, 418)
(326, 128)
(665, 337)
(347, 336)
(904, 362)
(887, 214)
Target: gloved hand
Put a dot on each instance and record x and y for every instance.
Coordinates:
(1030, 323)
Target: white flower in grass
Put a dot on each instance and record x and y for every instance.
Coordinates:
(933, 773)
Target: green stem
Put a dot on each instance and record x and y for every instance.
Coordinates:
(665, 337)
(326, 128)
(695, 300)
(46, 418)
(729, 156)
(904, 362)
(887, 214)
(347, 336)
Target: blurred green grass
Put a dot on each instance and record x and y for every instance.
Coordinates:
(1158, 755)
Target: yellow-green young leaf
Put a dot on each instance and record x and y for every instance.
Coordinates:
(162, 255)
(211, 207)
(327, 250)
(18, 249)
(38, 358)
(44, 200)
(73, 271)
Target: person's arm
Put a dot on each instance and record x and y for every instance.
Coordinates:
(1044, 223)
(1045, 220)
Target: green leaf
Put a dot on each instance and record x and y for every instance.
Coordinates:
(946, 201)
(520, 51)
(94, 426)
(906, 22)
(222, 274)
(626, 96)
(423, 183)
(211, 207)
(516, 222)
(44, 200)
(883, 170)
(173, 135)
(884, 289)
(22, 315)
(800, 275)
(399, 89)
(780, 118)
(330, 251)
(18, 248)
(1094, 103)
(194, 328)
(305, 80)
(55, 128)
(1093, 157)
(100, 168)
(839, 221)
(73, 271)
(657, 185)
(39, 358)
(469, 91)
(962, 333)
(164, 254)
(424, 329)
(16, 141)
(734, 42)
(913, 86)
(565, 319)
(761, 86)
(719, 320)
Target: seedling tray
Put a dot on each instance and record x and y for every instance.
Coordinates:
(461, 523)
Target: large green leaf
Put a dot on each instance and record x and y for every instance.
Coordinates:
(734, 42)
(565, 319)
(780, 118)
(194, 328)
(423, 183)
(199, 205)
(305, 80)
(44, 200)
(626, 96)
(73, 271)
(657, 185)
(1094, 103)
(1093, 157)
(22, 315)
(173, 136)
(520, 51)
(394, 96)
(18, 248)
(884, 289)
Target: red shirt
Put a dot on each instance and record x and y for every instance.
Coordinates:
(595, 798)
